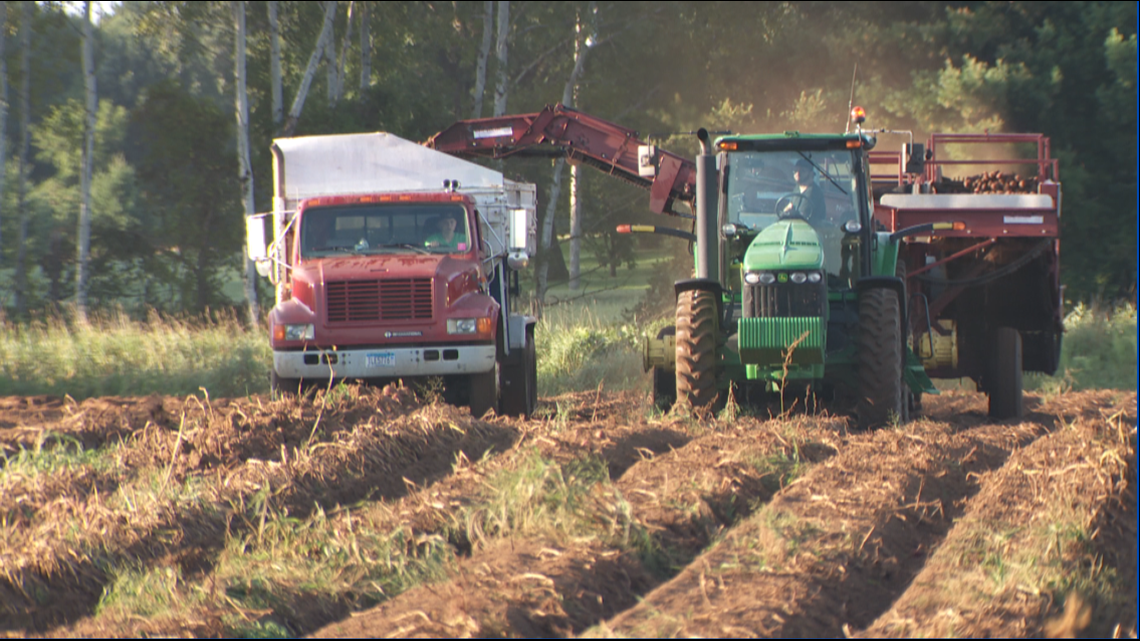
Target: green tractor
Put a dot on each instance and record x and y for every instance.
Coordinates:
(794, 288)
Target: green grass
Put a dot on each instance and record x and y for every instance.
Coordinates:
(113, 355)
(1098, 351)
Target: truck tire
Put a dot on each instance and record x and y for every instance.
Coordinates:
(664, 380)
(279, 386)
(483, 392)
(698, 339)
(519, 384)
(880, 360)
(1005, 375)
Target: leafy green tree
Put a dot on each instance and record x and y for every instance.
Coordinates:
(190, 193)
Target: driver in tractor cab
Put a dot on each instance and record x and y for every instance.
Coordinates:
(808, 203)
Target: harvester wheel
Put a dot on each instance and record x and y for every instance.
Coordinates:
(519, 387)
(698, 337)
(483, 392)
(664, 380)
(880, 359)
(1005, 375)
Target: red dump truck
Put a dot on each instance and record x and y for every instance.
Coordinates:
(395, 261)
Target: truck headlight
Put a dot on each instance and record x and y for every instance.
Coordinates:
(295, 332)
(469, 326)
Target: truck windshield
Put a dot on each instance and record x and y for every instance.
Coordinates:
(375, 228)
(816, 186)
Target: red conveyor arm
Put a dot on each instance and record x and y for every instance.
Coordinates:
(561, 131)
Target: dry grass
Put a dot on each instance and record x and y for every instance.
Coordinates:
(1027, 557)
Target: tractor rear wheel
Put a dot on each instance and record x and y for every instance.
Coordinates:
(664, 380)
(698, 340)
(880, 359)
(1005, 375)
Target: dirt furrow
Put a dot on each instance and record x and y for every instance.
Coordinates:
(1038, 551)
(674, 503)
(831, 551)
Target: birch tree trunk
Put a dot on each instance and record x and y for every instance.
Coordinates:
(580, 49)
(365, 48)
(22, 167)
(310, 70)
(484, 54)
(245, 170)
(501, 83)
(84, 242)
(330, 62)
(3, 104)
(547, 239)
(343, 63)
(275, 66)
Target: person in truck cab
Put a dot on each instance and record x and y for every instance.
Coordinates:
(446, 235)
(807, 202)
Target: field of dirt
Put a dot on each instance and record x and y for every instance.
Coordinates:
(377, 513)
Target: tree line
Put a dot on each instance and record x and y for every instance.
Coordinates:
(134, 143)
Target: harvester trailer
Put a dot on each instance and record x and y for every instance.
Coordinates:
(802, 269)
(393, 261)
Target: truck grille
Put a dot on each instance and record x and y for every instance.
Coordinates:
(784, 300)
(397, 299)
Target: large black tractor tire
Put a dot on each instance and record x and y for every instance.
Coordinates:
(519, 384)
(279, 386)
(483, 392)
(882, 399)
(664, 380)
(698, 341)
(1004, 375)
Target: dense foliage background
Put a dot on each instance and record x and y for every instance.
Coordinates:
(167, 226)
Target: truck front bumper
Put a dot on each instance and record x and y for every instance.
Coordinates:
(383, 362)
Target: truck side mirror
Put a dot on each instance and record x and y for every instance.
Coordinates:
(521, 242)
(255, 238)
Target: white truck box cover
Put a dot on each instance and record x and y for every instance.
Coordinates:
(350, 164)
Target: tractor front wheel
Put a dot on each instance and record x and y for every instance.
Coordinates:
(880, 359)
(698, 339)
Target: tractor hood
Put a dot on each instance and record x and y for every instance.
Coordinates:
(787, 244)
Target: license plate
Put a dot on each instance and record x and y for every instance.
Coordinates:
(386, 359)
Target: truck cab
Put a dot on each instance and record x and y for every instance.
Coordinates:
(387, 270)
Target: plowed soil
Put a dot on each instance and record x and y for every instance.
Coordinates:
(377, 513)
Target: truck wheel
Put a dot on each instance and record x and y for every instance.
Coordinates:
(664, 380)
(483, 392)
(880, 359)
(519, 384)
(698, 337)
(1005, 384)
(279, 386)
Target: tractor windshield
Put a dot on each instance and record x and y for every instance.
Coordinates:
(384, 228)
(817, 186)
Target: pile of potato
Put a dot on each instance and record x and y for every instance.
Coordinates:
(990, 182)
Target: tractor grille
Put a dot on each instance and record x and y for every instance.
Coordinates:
(784, 300)
(397, 299)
